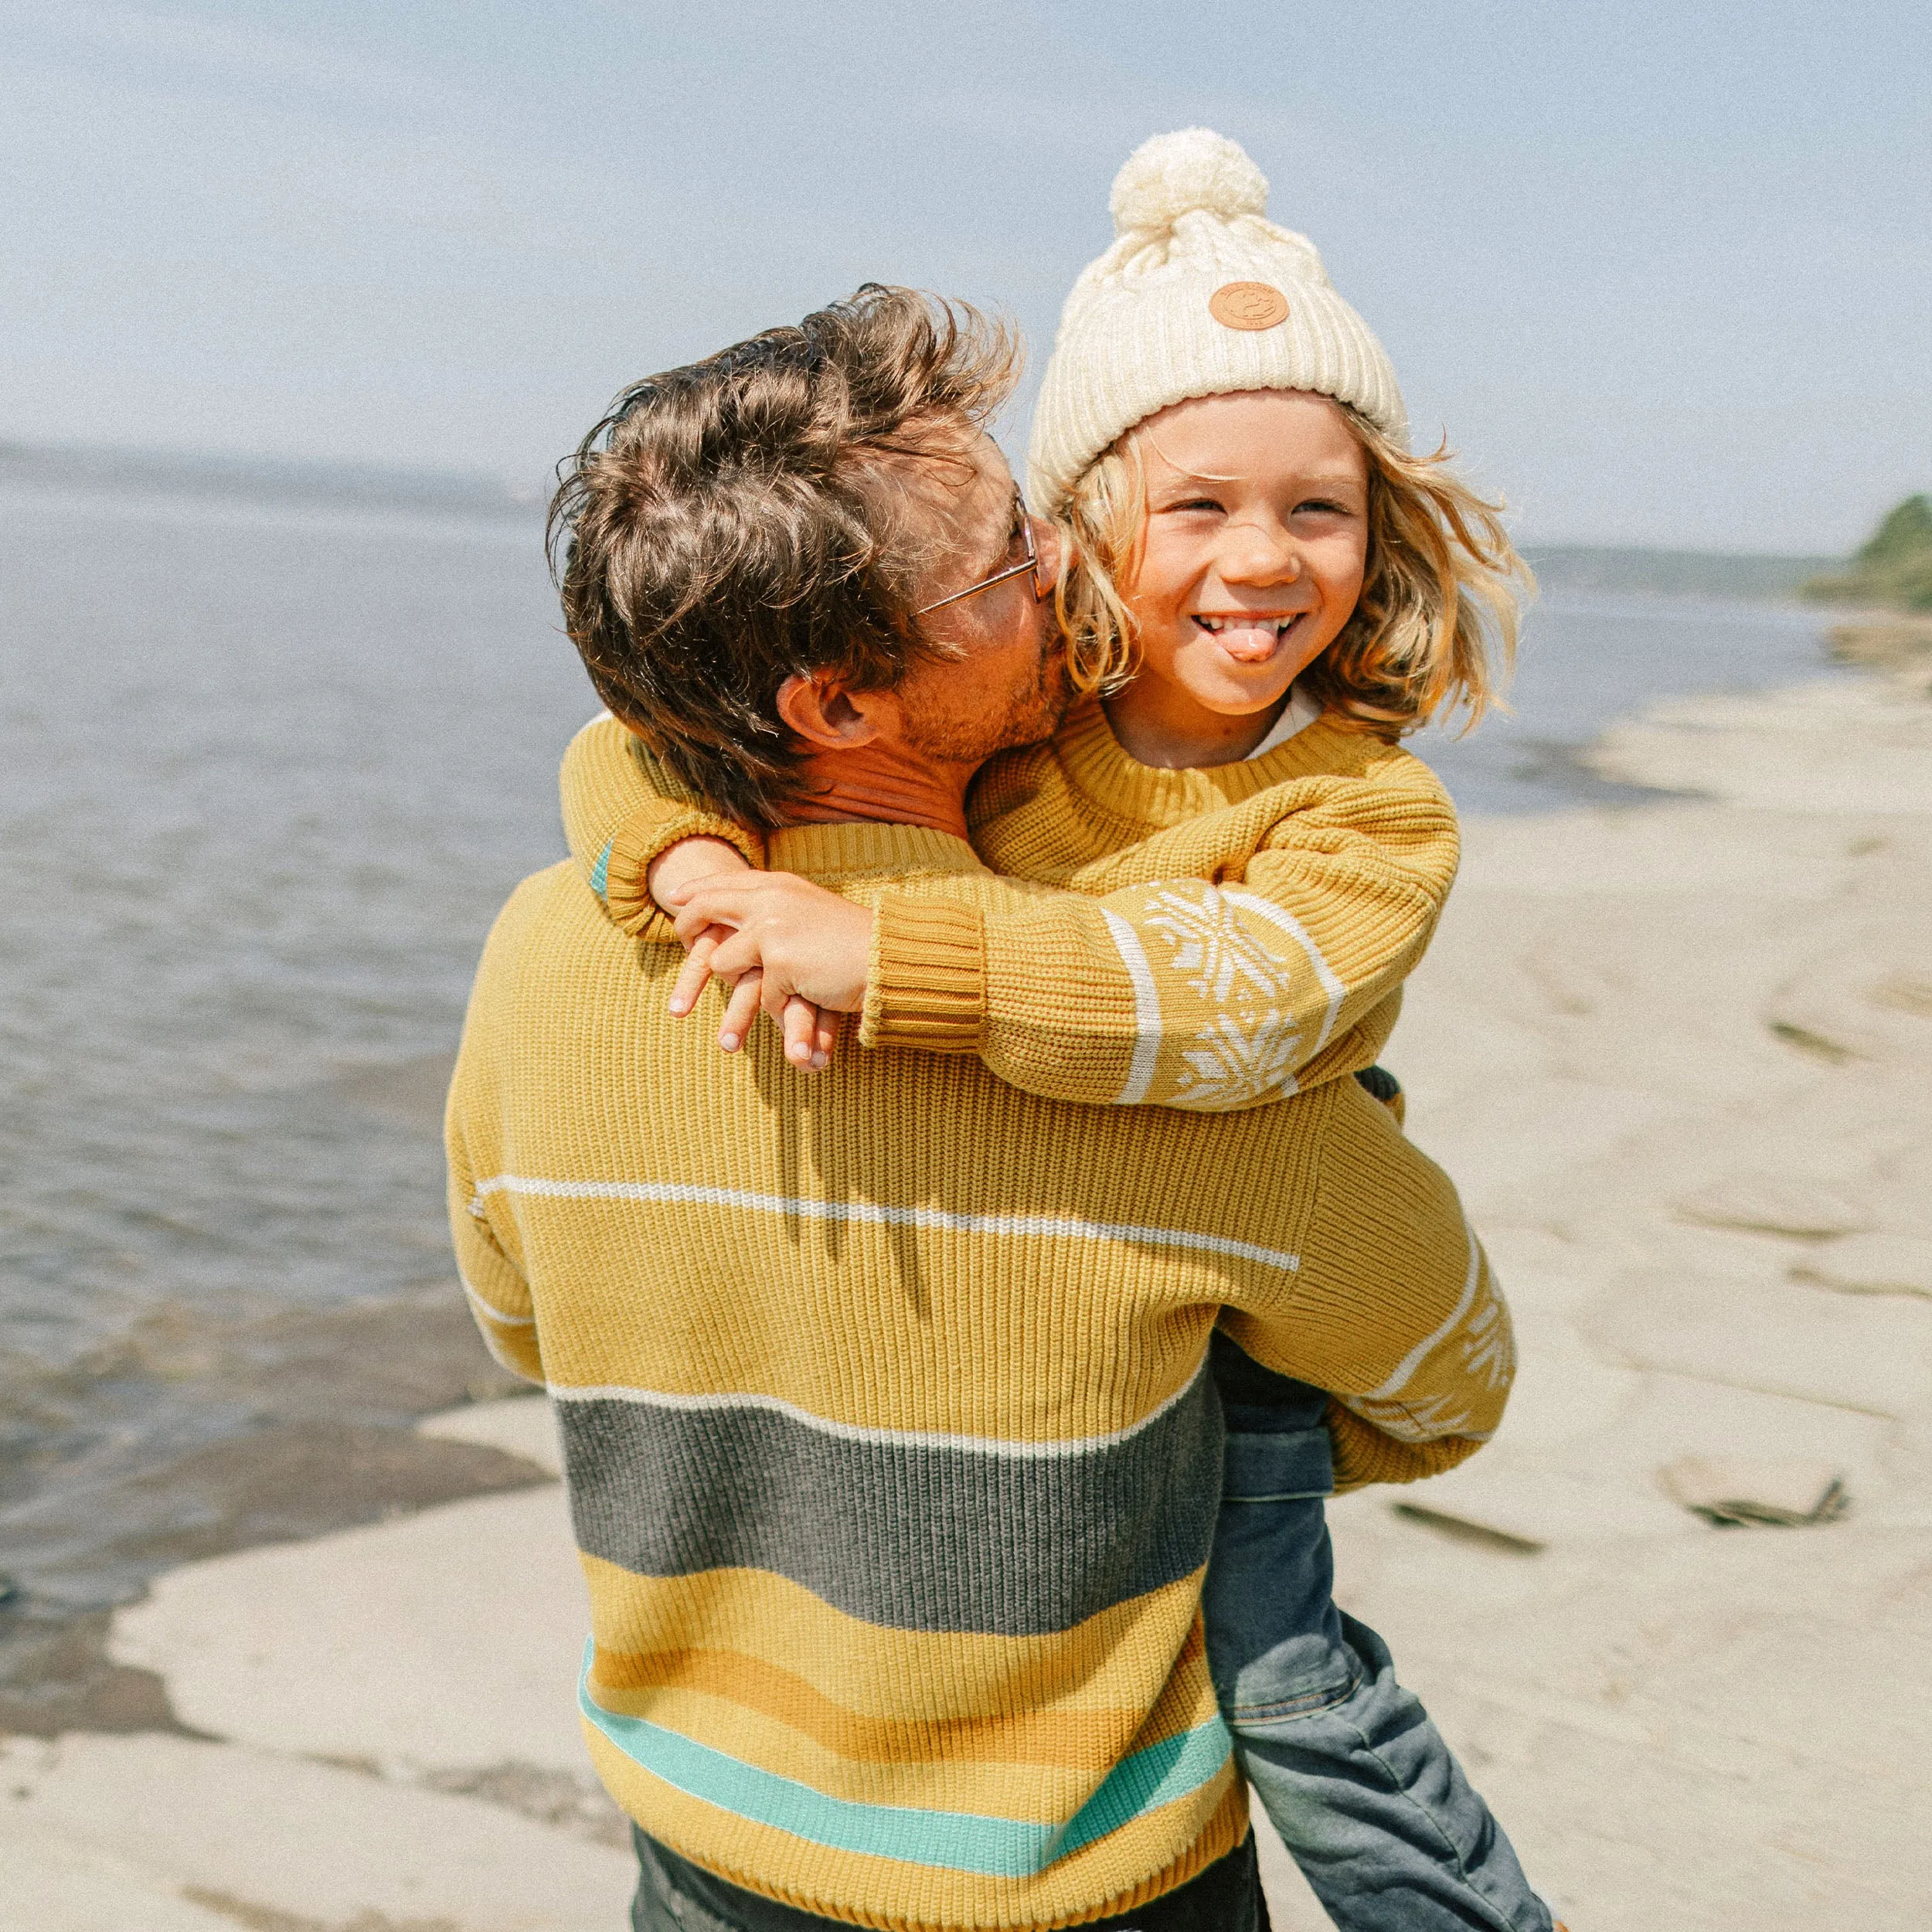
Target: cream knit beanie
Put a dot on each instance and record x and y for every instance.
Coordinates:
(1200, 295)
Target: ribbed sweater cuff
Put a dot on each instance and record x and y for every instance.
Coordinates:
(638, 841)
(927, 984)
(1363, 1455)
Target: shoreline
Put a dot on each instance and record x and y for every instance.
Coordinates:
(1677, 1053)
(329, 1400)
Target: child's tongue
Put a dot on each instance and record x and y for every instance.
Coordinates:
(1248, 643)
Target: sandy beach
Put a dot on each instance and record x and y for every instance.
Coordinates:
(1678, 1056)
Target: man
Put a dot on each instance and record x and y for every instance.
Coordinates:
(892, 1457)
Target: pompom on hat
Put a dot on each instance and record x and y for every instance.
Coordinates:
(1201, 294)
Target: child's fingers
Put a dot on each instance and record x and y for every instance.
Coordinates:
(696, 969)
(824, 1037)
(693, 922)
(678, 867)
(729, 899)
(799, 1021)
(740, 1010)
(736, 954)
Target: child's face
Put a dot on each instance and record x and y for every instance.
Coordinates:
(1255, 540)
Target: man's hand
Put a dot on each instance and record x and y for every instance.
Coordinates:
(786, 943)
(810, 1036)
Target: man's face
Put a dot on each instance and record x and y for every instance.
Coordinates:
(1005, 682)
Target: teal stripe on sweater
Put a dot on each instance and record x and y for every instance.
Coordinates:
(600, 873)
(953, 1841)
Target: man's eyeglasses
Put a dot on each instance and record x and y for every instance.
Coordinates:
(1042, 581)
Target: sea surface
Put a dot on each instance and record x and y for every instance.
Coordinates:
(270, 758)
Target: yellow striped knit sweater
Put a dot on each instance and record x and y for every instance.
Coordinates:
(1223, 937)
(891, 1452)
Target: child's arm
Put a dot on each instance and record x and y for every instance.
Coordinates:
(623, 815)
(1188, 992)
(1392, 1310)
(1179, 993)
(643, 843)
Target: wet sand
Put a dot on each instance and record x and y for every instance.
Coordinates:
(1678, 1056)
(317, 1408)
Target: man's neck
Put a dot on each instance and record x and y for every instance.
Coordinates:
(882, 784)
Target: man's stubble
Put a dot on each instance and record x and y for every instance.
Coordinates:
(1032, 713)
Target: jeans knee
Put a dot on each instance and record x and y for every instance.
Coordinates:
(1299, 1677)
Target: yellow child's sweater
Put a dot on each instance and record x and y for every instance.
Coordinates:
(891, 1451)
(1223, 937)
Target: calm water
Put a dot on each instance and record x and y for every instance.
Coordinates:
(1588, 660)
(265, 776)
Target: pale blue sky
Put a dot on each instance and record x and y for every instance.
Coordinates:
(1664, 272)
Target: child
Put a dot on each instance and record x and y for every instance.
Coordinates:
(1264, 588)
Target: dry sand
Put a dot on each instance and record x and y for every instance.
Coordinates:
(1680, 1059)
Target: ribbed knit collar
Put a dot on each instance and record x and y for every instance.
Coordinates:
(867, 849)
(1101, 770)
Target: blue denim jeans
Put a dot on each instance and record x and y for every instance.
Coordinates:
(1366, 1796)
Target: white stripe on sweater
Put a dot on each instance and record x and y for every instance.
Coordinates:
(494, 1313)
(1421, 1352)
(886, 1438)
(939, 1220)
(1147, 1010)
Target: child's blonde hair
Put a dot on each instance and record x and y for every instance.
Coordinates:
(1433, 631)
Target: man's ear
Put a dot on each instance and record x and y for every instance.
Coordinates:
(826, 715)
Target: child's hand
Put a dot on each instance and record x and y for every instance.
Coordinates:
(785, 943)
(678, 868)
(809, 1035)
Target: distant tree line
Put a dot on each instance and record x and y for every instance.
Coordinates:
(1600, 570)
(1894, 569)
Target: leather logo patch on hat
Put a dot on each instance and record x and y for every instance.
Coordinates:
(1248, 305)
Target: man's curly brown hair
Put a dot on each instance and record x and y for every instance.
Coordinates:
(746, 519)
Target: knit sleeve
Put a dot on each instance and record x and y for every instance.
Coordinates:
(498, 1296)
(1207, 994)
(621, 809)
(487, 1253)
(1394, 1310)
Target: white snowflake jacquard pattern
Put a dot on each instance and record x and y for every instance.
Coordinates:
(1427, 1418)
(1489, 1342)
(1247, 1051)
(1481, 1347)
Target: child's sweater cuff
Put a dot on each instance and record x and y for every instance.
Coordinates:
(1363, 1455)
(927, 984)
(619, 875)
